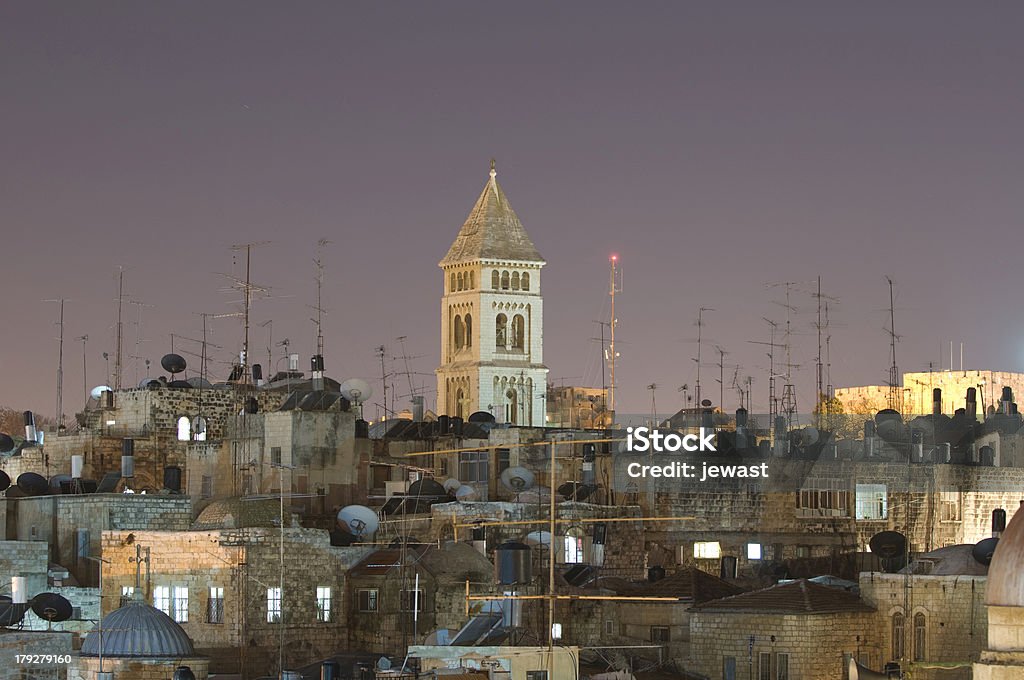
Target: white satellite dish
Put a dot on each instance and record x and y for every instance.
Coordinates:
(466, 493)
(358, 520)
(383, 664)
(517, 479)
(451, 485)
(356, 390)
(541, 538)
(98, 391)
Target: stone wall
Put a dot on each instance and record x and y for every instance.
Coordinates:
(86, 667)
(23, 558)
(14, 642)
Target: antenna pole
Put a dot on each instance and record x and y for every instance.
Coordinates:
(120, 329)
(85, 378)
(611, 347)
(894, 377)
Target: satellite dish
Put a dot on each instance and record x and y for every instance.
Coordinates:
(5, 481)
(173, 363)
(200, 382)
(705, 403)
(982, 550)
(6, 443)
(539, 538)
(426, 488)
(466, 493)
(10, 613)
(888, 544)
(358, 520)
(481, 417)
(33, 484)
(57, 480)
(98, 391)
(383, 664)
(356, 390)
(52, 607)
(517, 479)
(451, 485)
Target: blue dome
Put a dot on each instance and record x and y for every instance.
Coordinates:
(137, 629)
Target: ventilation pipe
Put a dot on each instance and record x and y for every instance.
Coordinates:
(937, 402)
(972, 403)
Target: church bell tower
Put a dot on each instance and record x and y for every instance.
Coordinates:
(492, 317)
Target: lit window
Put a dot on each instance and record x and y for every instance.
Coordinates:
(215, 605)
(162, 599)
(753, 551)
(872, 502)
(180, 604)
(368, 600)
(273, 605)
(707, 550)
(573, 547)
(127, 594)
(199, 429)
(184, 429)
(323, 603)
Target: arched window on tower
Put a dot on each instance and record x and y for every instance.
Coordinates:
(461, 280)
(472, 283)
(524, 281)
(451, 283)
(504, 280)
(495, 279)
(515, 280)
(512, 403)
(500, 331)
(469, 330)
(184, 429)
(920, 631)
(460, 333)
(460, 400)
(518, 332)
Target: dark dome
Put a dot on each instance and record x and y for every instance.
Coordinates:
(137, 629)
(1005, 578)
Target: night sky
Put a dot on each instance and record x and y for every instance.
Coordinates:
(717, 149)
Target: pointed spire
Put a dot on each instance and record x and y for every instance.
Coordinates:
(492, 231)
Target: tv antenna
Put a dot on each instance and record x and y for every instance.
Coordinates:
(773, 407)
(615, 286)
(700, 344)
(894, 375)
(318, 360)
(248, 289)
(60, 364)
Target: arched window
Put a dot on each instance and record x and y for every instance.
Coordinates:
(494, 279)
(184, 429)
(524, 281)
(504, 280)
(518, 332)
(462, 282)
(460, 333)
(469, 330)
(500, 331)
(460, 399)
(573, 546)
(451, 283)
(898, 632)
(472, 284)
(919, 636)
(515, 280)
(199, 428)
(512, 404)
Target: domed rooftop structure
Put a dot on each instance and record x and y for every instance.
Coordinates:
(138, 630)
(1005, 577)
(239, 513)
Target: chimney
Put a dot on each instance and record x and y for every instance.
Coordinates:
(417, 408)
(998, 522)
(937, 402)
(972, 403)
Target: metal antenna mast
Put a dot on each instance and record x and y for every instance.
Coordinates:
(773, 406)
(894, 375)
(85, 376)
(318, 360)
(60, 365)
(700, 330)
(247, 288)
(615, 287)
(120, 329)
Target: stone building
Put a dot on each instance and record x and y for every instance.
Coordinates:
(794, 630)
(492, 317)
(917, 390)
(1003, 657)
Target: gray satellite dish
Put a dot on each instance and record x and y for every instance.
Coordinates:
(541, 538)
(517, 479)
(356, 390)
(383, 664)
(451, 485)
(358, 520)
(466, 493)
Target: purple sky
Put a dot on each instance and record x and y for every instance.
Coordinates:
(715, 149)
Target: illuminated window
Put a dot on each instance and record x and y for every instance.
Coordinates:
(184, 429)
(162, 599)
(215, 605)
(323, 603)
(572, 546)
(707, 550)
(753, 551)
(273, 605)
(199, 429)
(872, 502)
(179, 604)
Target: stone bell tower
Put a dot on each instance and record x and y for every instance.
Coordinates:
(492, 317)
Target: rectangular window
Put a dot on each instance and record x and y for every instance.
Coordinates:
(275, 455)
(949, 506)
(764, 666)
(367, 600)
(707, 550)
(127, 594)
(504, 459)
(215, 605)
(473, 466)
(442, 464)
(729, 668)
(323, 603)
(803, 552)
(823, 497)
(609, 627)
(872, 502)
(206, 488)
(753, 551)
(273, 605)
(572, 552)
(782, 667)
(659, 634)
(411, 598)
(162, 599)
(180, 604)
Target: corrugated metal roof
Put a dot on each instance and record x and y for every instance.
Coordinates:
(796, 597)
(137, 629)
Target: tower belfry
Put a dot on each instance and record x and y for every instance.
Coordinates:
(492, 322)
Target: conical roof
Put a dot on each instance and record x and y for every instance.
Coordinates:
(137, 629)
(492, 231)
